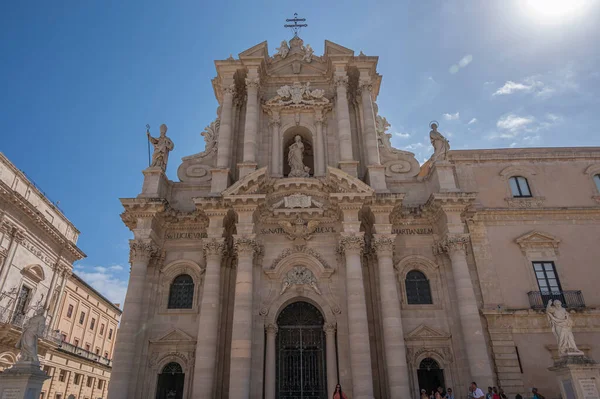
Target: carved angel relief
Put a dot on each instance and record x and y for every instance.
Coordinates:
(297, 95)
(299, 275)
(299, 230)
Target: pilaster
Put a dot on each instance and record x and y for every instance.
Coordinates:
(251, 125)
(347, 162)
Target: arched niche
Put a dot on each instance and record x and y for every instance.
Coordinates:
(34, 272)
(307, 139)
(271, 314)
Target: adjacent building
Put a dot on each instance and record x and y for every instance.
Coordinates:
(300, 249)
(38, 246)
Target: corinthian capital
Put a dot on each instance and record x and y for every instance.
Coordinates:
(246, 246)
(213, 247)
(3, 254)
(352, 243)
(384, 244)
(271, 329)
(329, 328)
(229, 89)
(252, 83)
(451, 243)
(141, 251)
(341, 81)
(365, 85)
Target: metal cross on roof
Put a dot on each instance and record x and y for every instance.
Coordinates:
(296, 26)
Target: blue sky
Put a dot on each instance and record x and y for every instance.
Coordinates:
(81, 79)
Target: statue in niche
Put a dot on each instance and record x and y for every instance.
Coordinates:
(440, 144)
(162, 146)
(28, 343)
(562, 327)
(283, 49)
(295, 159)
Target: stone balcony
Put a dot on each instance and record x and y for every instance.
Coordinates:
(569, 299)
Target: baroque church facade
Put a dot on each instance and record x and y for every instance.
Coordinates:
(300, 249)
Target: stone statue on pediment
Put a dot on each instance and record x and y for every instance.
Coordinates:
(28, 342)
(295, 159)
(283, 49)
(162, 146)
(562, 327)
(308, 53)
(440, 144)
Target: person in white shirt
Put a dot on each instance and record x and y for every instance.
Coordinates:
(477, 393)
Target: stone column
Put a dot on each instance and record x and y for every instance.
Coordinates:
(393, 335)
(16, 237)
(64, 274)
(276, 150)
(347, 162)
(352, 245)
(251, 126)
(130, 328)
(241, 335)
(208, 322)
(330, 359)
(57, 269)
(318, 144)
(220, 175)
(478, 358)
(270, 359)
(370, 132)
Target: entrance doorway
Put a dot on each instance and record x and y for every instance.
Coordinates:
(301, 371)
(430, 375)
(170, 382)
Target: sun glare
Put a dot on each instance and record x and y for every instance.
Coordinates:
(555, 10)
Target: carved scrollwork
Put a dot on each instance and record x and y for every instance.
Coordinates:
(245, 246)
(340, 81)
(329, 328)
(452, 243)
(525, 203)
(383, 243)
(140, 251)
(252, 83)
(299, 275)
(213, 247)
(299, 249)
(352, 243)
(271, 329)
(229, 90)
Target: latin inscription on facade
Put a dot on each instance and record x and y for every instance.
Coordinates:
(589, 388)
(185, 236)
(11, 393)
(37, 252)
(279, 230)
(413, 231)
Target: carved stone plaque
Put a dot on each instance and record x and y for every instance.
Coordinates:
(568, 388)
(589, 388)
(11, 393)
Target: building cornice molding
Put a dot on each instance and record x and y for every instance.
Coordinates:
(529, 154)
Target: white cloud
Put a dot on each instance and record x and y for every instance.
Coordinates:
(514, 124)
(529, 85)
(105, 281)
(451, 117)
(415, 146)
(474, 120)
(402, 135)
(464, 61)
(543, 86)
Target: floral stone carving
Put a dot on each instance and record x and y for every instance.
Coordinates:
(299, 275)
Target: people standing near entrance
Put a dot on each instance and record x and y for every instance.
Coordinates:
(477, 393)
(536, 394)
(449, 394)
(338, 394)
(424, 394)
(441, 391)
(502, 394)
(438, 395)
(495, 394)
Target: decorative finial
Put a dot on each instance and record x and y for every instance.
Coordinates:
(296, 26)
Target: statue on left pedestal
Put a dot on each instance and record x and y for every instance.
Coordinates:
(28, 343)
(440, 144)
(162, 146)
(562, 327)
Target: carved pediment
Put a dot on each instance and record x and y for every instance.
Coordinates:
(258, 51)
(250, 184)
(342, 182)
(295, 65)
(333, 49)
(175, 335)
(424, 332)
(536, 240)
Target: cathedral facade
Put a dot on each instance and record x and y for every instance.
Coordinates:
(300, 250)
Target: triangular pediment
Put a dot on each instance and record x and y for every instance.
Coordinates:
(424, 332)
(261, 50)
(342, 182)
(537, 238)
(250, 184)
(295, 65)
(175, 335)
(334, 49)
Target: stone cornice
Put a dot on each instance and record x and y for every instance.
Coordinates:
(534, 154)
(439, 203)
(141, 208)
(491, 215)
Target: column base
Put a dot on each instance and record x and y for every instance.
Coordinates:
(23, 380)
(220, 181)
(155, 184)
(442, 173)
(246, 168)
(578, 376)
(350, 167)
(376, 178)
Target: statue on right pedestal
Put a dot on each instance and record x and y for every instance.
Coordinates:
(562, 327)
(28, 343)
(440, 144)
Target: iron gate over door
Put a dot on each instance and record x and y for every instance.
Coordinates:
(301, 353)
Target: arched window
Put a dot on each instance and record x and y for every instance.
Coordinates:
(172, 368)
(519, 187)
(429, 364)
(418, 291)
(597, 181)
(181, 294)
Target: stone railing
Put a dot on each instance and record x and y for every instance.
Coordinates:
(17, 320)
(67, 347)
(569, 299)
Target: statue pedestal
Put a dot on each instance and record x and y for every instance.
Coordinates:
(245, 169)
(22, 381)
(155, 183)
(350, 167)
(376, 178)
(220, 181)
(578, 377)
(443, 177)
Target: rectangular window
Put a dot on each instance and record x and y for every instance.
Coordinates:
(90, 382)
(70, 311)
(62, 375)
(106, 355)
(110, 334)
(597, 181)
(47, 370)
(547, 279)
(64, 337)
(101, 329)
(42, 395)
(77, 379)
(92, 324)
(58, 396)
(76, 342)
(81, 317)
(519, 187)
(87, 347)
(100, 384)
(98, 351)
